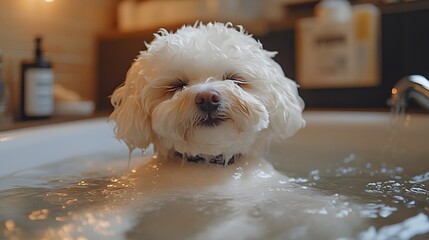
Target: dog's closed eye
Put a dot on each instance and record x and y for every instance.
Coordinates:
(236, 78)
(176, 85)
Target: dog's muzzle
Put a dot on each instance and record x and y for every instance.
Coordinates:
(209, 102)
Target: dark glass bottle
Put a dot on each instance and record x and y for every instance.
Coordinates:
(37, 79)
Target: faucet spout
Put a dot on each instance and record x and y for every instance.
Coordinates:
(415, 87)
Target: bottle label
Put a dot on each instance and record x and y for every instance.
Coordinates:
(39, 99)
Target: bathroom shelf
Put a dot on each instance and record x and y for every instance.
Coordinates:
(53, 120)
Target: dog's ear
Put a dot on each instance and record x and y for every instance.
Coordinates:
(132, 123)
(287, 106)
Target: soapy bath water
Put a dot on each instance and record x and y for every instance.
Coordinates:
(389, 185)
(94, 203)
(155, 202)
(359, 196)
(385, 195)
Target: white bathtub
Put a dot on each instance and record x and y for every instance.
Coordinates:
(327, 136)
(379, 163)
(31, 147)
(381, 138)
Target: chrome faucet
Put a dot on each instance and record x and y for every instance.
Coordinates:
(414, 86)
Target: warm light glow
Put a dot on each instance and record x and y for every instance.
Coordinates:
(60, 219)
(49, 1)
(39, 214)
(394, 90)
(82, 183)
(10, 225)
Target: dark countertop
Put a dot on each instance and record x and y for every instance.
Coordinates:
(53, 120)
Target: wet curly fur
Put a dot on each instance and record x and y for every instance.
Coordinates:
(156, 103)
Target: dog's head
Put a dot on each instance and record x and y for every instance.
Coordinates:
(208, 89)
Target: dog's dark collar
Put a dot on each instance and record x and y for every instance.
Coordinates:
(219, 159)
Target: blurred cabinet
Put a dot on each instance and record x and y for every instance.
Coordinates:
(404, 51)
(115, 54)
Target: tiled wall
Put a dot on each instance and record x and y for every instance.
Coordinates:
(69, 29)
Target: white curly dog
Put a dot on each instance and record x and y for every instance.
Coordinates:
(206, 92)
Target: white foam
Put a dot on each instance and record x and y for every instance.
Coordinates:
(407, 229)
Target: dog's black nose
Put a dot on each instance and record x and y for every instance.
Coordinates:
(208, 101)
